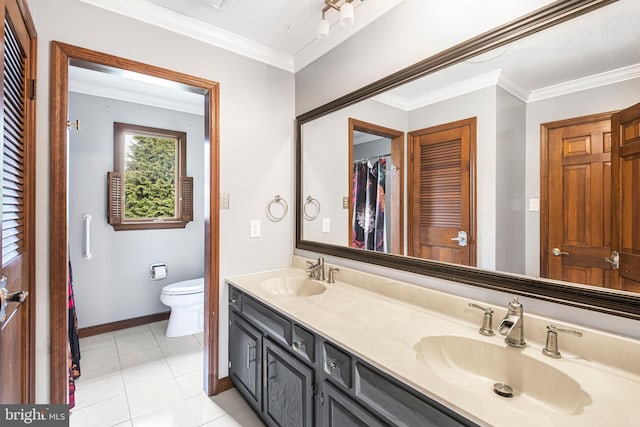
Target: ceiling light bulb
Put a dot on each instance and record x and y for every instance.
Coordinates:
(323, 29)
(346, 14)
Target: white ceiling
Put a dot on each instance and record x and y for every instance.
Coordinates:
(281, 33)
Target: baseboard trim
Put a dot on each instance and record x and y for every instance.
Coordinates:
(122, 324)
(224, 384)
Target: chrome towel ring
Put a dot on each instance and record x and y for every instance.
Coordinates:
(311, 208)
(277, 200)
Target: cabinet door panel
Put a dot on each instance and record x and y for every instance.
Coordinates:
(288, 389)
(340, 411)
(245, 355)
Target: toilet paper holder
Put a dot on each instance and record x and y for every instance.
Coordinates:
(158, 271)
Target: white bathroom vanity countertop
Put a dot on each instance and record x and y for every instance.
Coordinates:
(382, 321)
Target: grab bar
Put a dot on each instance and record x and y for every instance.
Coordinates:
(86, 246)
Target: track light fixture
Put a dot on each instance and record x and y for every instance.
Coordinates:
(345, 7)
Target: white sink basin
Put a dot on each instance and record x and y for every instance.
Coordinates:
(293, 286)
(475, 366)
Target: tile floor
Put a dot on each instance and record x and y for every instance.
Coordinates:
(138, 377)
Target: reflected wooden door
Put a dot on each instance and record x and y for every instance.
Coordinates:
(17, 332)
(626, 198)
(442, 192)
(576, 200)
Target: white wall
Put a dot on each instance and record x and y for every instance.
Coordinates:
(510, 182)
(256, 142)
(120, 263)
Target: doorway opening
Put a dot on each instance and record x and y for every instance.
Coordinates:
(61, 56)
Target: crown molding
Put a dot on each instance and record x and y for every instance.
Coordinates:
(153, 14)
(590, 82)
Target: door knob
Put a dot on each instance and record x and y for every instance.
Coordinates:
(6, 297)
(614, 260)
(461, 239)
(558, 252)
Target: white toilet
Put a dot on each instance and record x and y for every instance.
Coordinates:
(186, 300)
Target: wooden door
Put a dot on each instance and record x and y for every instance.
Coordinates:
(626, 198)
(442, 192)
(578, 190)
(17, 334)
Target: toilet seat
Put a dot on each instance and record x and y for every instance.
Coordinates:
(187, 287)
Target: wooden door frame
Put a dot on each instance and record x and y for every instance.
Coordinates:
(545, 129)
(61, 55)
(472, 122)
(397, 193)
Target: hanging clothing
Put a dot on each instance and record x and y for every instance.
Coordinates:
(368, 201)
(73, 342)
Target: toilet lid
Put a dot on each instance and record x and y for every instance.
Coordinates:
(186, 287)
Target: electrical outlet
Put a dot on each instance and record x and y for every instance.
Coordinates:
(255, 228)
(224, 201)
(326, 225)
(345, 203)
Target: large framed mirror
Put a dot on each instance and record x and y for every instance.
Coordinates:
(506, 175)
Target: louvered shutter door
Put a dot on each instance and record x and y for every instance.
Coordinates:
(13, 159)
(114, 198)
(186, 198)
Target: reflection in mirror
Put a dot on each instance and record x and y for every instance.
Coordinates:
(375, 187)
(536, 167)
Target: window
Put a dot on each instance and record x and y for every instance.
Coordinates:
(148, 188)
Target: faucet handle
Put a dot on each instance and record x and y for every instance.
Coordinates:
(331, 278)
(487, 319)
(551, 346)
(311, 269)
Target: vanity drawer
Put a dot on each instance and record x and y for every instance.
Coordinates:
(303, 343)
(337, 364)
(235, 298)
(276, 326)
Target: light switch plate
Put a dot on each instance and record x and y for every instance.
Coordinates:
(255, 228)
(326, 225)
(534, 205)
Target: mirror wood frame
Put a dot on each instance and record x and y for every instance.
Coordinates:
(62, 55)
(607, 301)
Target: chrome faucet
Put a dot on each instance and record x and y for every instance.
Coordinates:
(316, 271)
(512, 326)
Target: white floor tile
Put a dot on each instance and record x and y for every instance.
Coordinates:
(179, 345)
(99, 390)
(200, 338)
(159, 328)
(148, 396)
(140, 358)
(98, 354)
(203, 409)
(132, 343)
(241, 418)
(156, 370)
(124, 424)
(98, 370)
(191, 384)
(230, 400)
(171, 416)
(106, 413)
(185, 363)
(131, 331)
(95, 341)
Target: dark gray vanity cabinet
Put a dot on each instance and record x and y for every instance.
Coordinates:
(288, 388)
(295, 378)
(245, 359)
